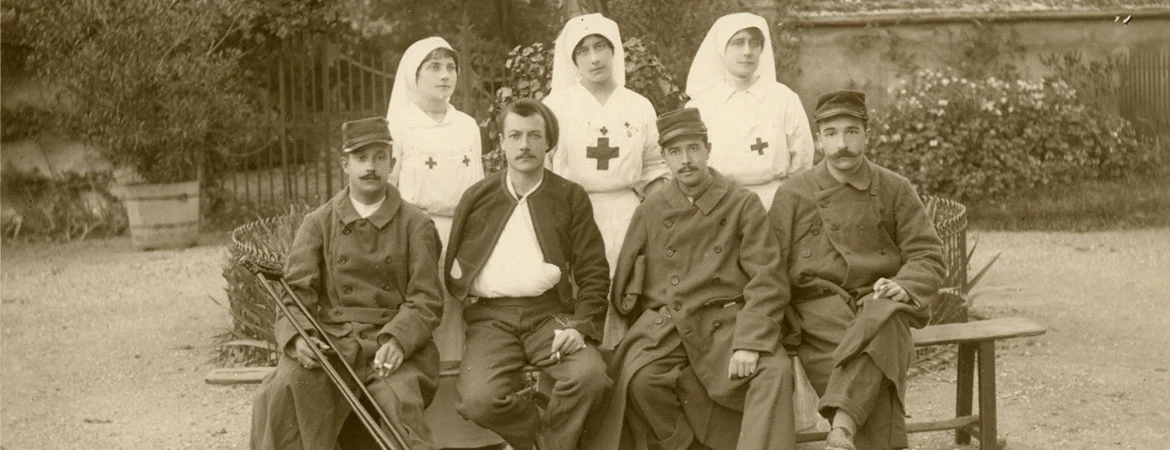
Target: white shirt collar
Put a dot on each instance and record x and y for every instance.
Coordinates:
(512, 189)
(365, 210)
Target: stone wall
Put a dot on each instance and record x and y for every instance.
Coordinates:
(858, 51)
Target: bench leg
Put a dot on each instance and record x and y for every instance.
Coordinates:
(987, 421)
(965, 386)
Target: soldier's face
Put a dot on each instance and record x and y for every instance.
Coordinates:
(742, 54)
(594, 59)
(524, 142)
(843, 140)
(368, 167)
(686, 156)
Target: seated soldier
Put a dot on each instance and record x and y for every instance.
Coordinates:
(698, 284)
(518, 237)
(865, 264)
(367, 263)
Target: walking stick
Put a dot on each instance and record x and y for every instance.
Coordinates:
(266, 275)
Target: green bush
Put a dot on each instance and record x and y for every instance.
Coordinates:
(151, 83)
(980, 139)
(530, 73)
(63, 207)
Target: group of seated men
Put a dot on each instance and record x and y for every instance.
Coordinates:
(712, 297)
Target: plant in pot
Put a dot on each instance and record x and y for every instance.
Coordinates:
(154, 90)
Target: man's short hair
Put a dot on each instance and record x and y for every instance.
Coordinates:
(438, 53)
(581, 42)
(527, 107)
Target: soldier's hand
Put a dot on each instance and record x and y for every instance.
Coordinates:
(304, 354)
(887, 288)
(743, 364)
(389, 358)
(567, 341)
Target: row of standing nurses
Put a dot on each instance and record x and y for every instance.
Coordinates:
(758, 129)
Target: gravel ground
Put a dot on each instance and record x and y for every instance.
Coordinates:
(105, 347)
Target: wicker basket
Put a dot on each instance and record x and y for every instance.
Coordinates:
(265, 242)
(950, 221)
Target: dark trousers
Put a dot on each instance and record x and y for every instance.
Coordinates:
(658, 394)
(858, 386)
(504, 336)
(301, 409)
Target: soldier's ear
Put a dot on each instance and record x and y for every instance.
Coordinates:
(344, 161)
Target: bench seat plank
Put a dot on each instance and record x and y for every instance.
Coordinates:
(983, 330)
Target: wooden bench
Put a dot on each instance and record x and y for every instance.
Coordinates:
(976, 341)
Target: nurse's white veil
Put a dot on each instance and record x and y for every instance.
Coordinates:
(564, 72)
(405, 78)
(708, 69)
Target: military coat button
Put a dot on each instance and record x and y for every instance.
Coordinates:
(668, 223)
(677, 306)
(834, 227)
(347, 290)
(718, 249)
(716, 324)
(342, 260)
(882, 251)
(806, 253)
(658, 321)
(669, 252)
(388, 260)
(816, 231)
(386, 286)
(345, 230)
(674, 281)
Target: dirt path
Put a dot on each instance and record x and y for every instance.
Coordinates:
(104, 347)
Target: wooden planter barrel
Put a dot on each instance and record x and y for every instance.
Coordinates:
(162, 215)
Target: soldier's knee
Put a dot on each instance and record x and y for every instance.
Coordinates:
(645, 384)
(477, 403)
(590, 379)
(776, 370)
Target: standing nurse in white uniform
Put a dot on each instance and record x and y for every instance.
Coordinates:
(609, 137)
(438, 153)
(758, 129)
(437, 147)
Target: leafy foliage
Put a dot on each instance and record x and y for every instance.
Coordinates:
(150, 83)
(24, 121)
(65, 207)
(977, 139)
(530, 74)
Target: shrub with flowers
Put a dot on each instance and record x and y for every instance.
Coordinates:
(530, 72)
(978, 139)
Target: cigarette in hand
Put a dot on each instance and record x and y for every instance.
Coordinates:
(556, 357)
(387, 366)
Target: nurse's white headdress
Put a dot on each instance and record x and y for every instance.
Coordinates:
(405, 78)
(564, 70)
(708, 69)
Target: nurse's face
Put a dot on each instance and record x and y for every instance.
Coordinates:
(742, 54)
(594, 59)
(437, 76)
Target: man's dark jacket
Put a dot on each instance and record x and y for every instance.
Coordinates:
(563, 219)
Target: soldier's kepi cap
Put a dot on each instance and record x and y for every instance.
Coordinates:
(358, 133)
(840, 102)
(680, 122)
